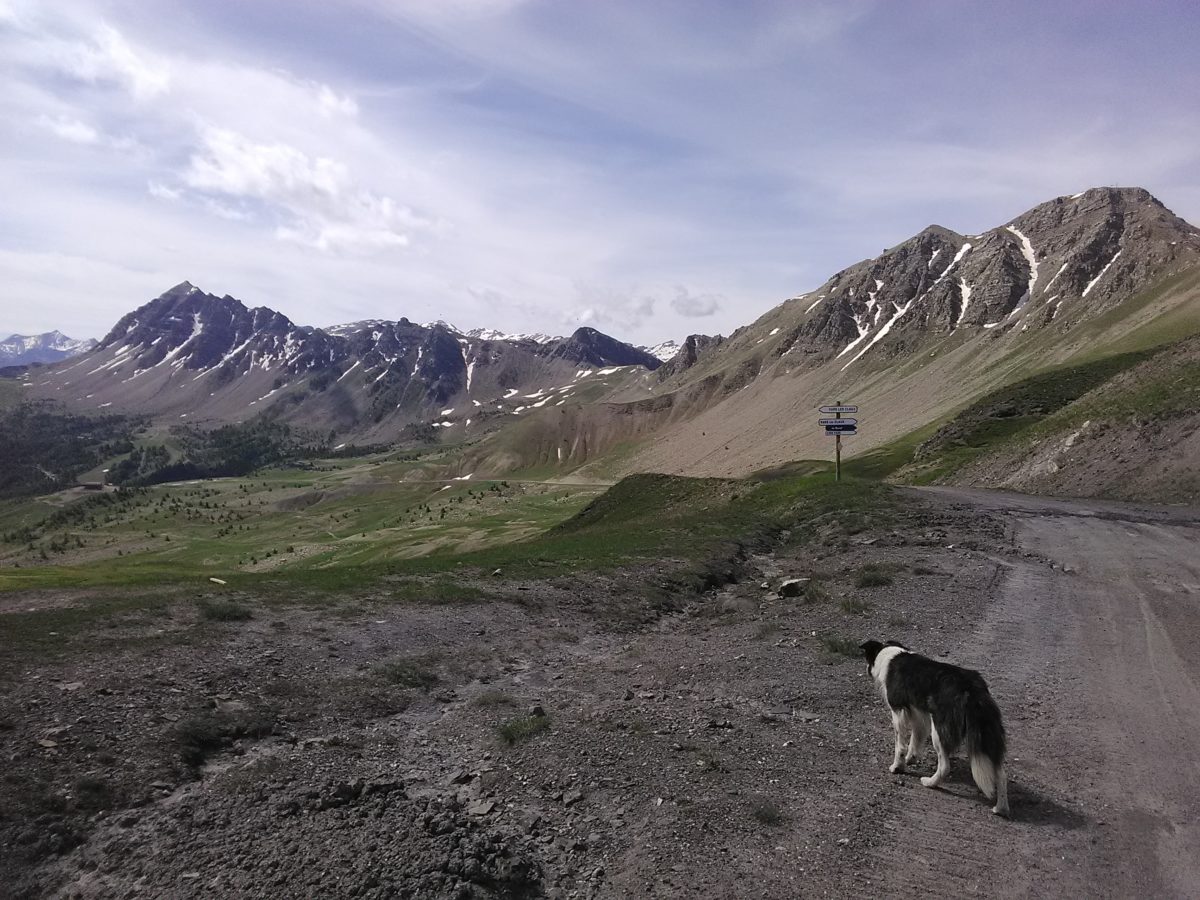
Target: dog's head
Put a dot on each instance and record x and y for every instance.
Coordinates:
(871, 650)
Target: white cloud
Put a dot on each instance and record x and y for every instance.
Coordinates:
(695, 306)
(322, 206)
(330, 103)
(108, 58)
(70, 129)
(162, 191)
(606, 307)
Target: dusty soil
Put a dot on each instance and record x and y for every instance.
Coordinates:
(719, 750)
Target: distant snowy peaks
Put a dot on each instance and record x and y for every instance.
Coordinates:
(491, 334)
(479, 334)
(348, 328)
(23, 349)
(664, 351)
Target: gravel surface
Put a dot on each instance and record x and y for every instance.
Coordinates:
(543, 746)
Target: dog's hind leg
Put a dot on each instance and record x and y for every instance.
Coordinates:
(1001, 807)
(920, 733)
(943, 765)
(901, 723)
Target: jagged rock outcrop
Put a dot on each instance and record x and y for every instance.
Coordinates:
(694, 346)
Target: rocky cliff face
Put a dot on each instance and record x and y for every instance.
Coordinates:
(694, 346)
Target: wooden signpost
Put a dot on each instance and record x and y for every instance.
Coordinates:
(837, 426)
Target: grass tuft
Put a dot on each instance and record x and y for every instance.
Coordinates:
(491, 699)
(854, 605)
(767, 812)
(522, 728)
(225, 611)
(205, 733)
(836, 645)
(873, 576)
(815, 592)
(411, 672)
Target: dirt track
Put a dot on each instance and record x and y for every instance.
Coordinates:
(716, 750)
(1097, 666)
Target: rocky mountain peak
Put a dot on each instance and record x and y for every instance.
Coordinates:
(1062, 262)
(590, 347)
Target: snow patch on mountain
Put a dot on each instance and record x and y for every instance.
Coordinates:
(1031, 258)
(1091, 284)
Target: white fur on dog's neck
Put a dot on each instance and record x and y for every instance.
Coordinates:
(879, 668)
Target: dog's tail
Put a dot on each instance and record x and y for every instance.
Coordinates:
(986, 745)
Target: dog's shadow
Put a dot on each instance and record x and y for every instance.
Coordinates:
(1028, 804)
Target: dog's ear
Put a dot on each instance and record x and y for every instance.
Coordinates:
(870, 650)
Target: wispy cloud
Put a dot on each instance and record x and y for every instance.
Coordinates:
(70, 129)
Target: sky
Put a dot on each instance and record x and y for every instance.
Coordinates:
(652, 169)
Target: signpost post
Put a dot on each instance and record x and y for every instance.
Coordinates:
(837, 426)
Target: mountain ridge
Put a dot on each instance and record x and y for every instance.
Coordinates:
(190, 354)
(910, 335)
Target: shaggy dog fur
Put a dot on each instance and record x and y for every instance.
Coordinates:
(948, 703)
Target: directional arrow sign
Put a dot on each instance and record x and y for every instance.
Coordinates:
(841, 428)
(837, 421)
(839, 409)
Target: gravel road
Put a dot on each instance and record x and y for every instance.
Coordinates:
(1095, 657)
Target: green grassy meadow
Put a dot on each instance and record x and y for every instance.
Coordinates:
(346, 514)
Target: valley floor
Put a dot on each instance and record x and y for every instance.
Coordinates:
(731, 748)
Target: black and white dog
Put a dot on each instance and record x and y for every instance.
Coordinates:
(953, 704)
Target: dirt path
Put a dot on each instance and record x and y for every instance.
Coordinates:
(1094, 660)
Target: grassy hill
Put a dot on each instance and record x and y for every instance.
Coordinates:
(1123, 426)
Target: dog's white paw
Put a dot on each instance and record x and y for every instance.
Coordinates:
(1000, 812)
(929, 781)
(896, 768)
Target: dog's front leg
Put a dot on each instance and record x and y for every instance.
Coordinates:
(900, 724)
